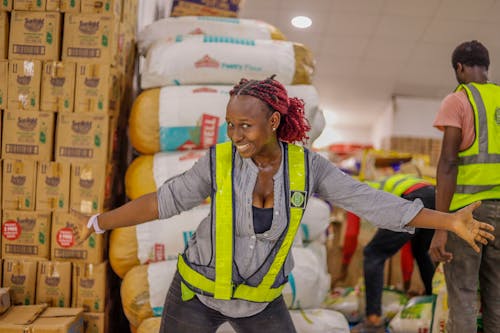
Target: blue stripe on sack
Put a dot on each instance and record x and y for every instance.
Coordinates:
(157, 311)
(171, 138)
(187, 236)
(291, 280)
(305, 232)
(228, 40)
(219, 19)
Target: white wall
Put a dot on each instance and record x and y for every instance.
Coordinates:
(383, 126)
(343, 134)
(414, 117)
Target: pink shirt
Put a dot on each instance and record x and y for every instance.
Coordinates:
(456, 111)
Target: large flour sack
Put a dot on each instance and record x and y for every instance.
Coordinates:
(153, 241)
(147, 173)
(170, 28)
(225, 60)
(193, 117)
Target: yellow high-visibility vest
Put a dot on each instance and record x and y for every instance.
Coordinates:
(223, 286)
(478, 175)
(396, 184)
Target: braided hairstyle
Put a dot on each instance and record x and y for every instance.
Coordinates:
(293, 126)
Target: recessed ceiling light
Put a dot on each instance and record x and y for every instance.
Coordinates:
(301, 22)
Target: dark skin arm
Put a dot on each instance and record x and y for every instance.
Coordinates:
(140, 210)
(446, 182)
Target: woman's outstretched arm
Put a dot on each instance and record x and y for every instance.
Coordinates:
(140, 210)
(461, 223)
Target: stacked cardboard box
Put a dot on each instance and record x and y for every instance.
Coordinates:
(415, 145)
(66, 69)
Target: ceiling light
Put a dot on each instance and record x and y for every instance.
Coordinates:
(301, 22)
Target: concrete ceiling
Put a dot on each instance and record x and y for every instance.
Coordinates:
(367, 51)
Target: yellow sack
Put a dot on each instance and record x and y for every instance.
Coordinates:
(144, 289)
(150, 325)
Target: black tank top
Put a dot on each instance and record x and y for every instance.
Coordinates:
(262, 219)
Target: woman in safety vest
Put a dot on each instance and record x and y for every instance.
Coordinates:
(238, 260)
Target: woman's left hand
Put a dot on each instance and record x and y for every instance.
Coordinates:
(471, 230)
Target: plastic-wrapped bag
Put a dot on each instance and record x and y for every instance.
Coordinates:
(193, 117)
(415, 317)
(153, 241)
(170, 28)
(224, 60)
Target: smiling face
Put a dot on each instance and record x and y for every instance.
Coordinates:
(250, 126)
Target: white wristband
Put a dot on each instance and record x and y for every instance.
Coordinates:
(92, 223)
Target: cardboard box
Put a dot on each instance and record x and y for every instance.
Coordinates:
(35, 35)
(90, 38)
(6, 5)
(58, 320)
(52, 186)
(95, 322)
(97, 89)
(125, 60)
(88, 187)
(35, 5)
(81, 138)
(4, 299)
(4, 35)
(19, 318)
(20, 276)
(53, 284)
(129, 13)
(39, 318)
(28, 135)
(67, 6)
(25, 77)
(58, 86)
(19, 184)
(64, 246)
(89, 286)
(227, 8)
(26, 234)
(108, 7)
(4, 84)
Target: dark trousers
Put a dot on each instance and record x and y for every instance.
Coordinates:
(469, 271)
(194, 317)
(387, 243)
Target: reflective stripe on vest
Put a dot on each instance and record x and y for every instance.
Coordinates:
(478, 175)
(396, 184)
(223, 287)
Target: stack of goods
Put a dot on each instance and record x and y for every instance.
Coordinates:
(66, 68)
(191, 64)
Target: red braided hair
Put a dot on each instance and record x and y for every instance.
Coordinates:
(293, 126)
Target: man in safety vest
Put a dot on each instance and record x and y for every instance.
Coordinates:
(468, 171)
(386, 243)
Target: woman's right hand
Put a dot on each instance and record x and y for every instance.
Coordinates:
(80, 230)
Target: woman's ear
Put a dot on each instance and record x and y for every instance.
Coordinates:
(275, 120)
